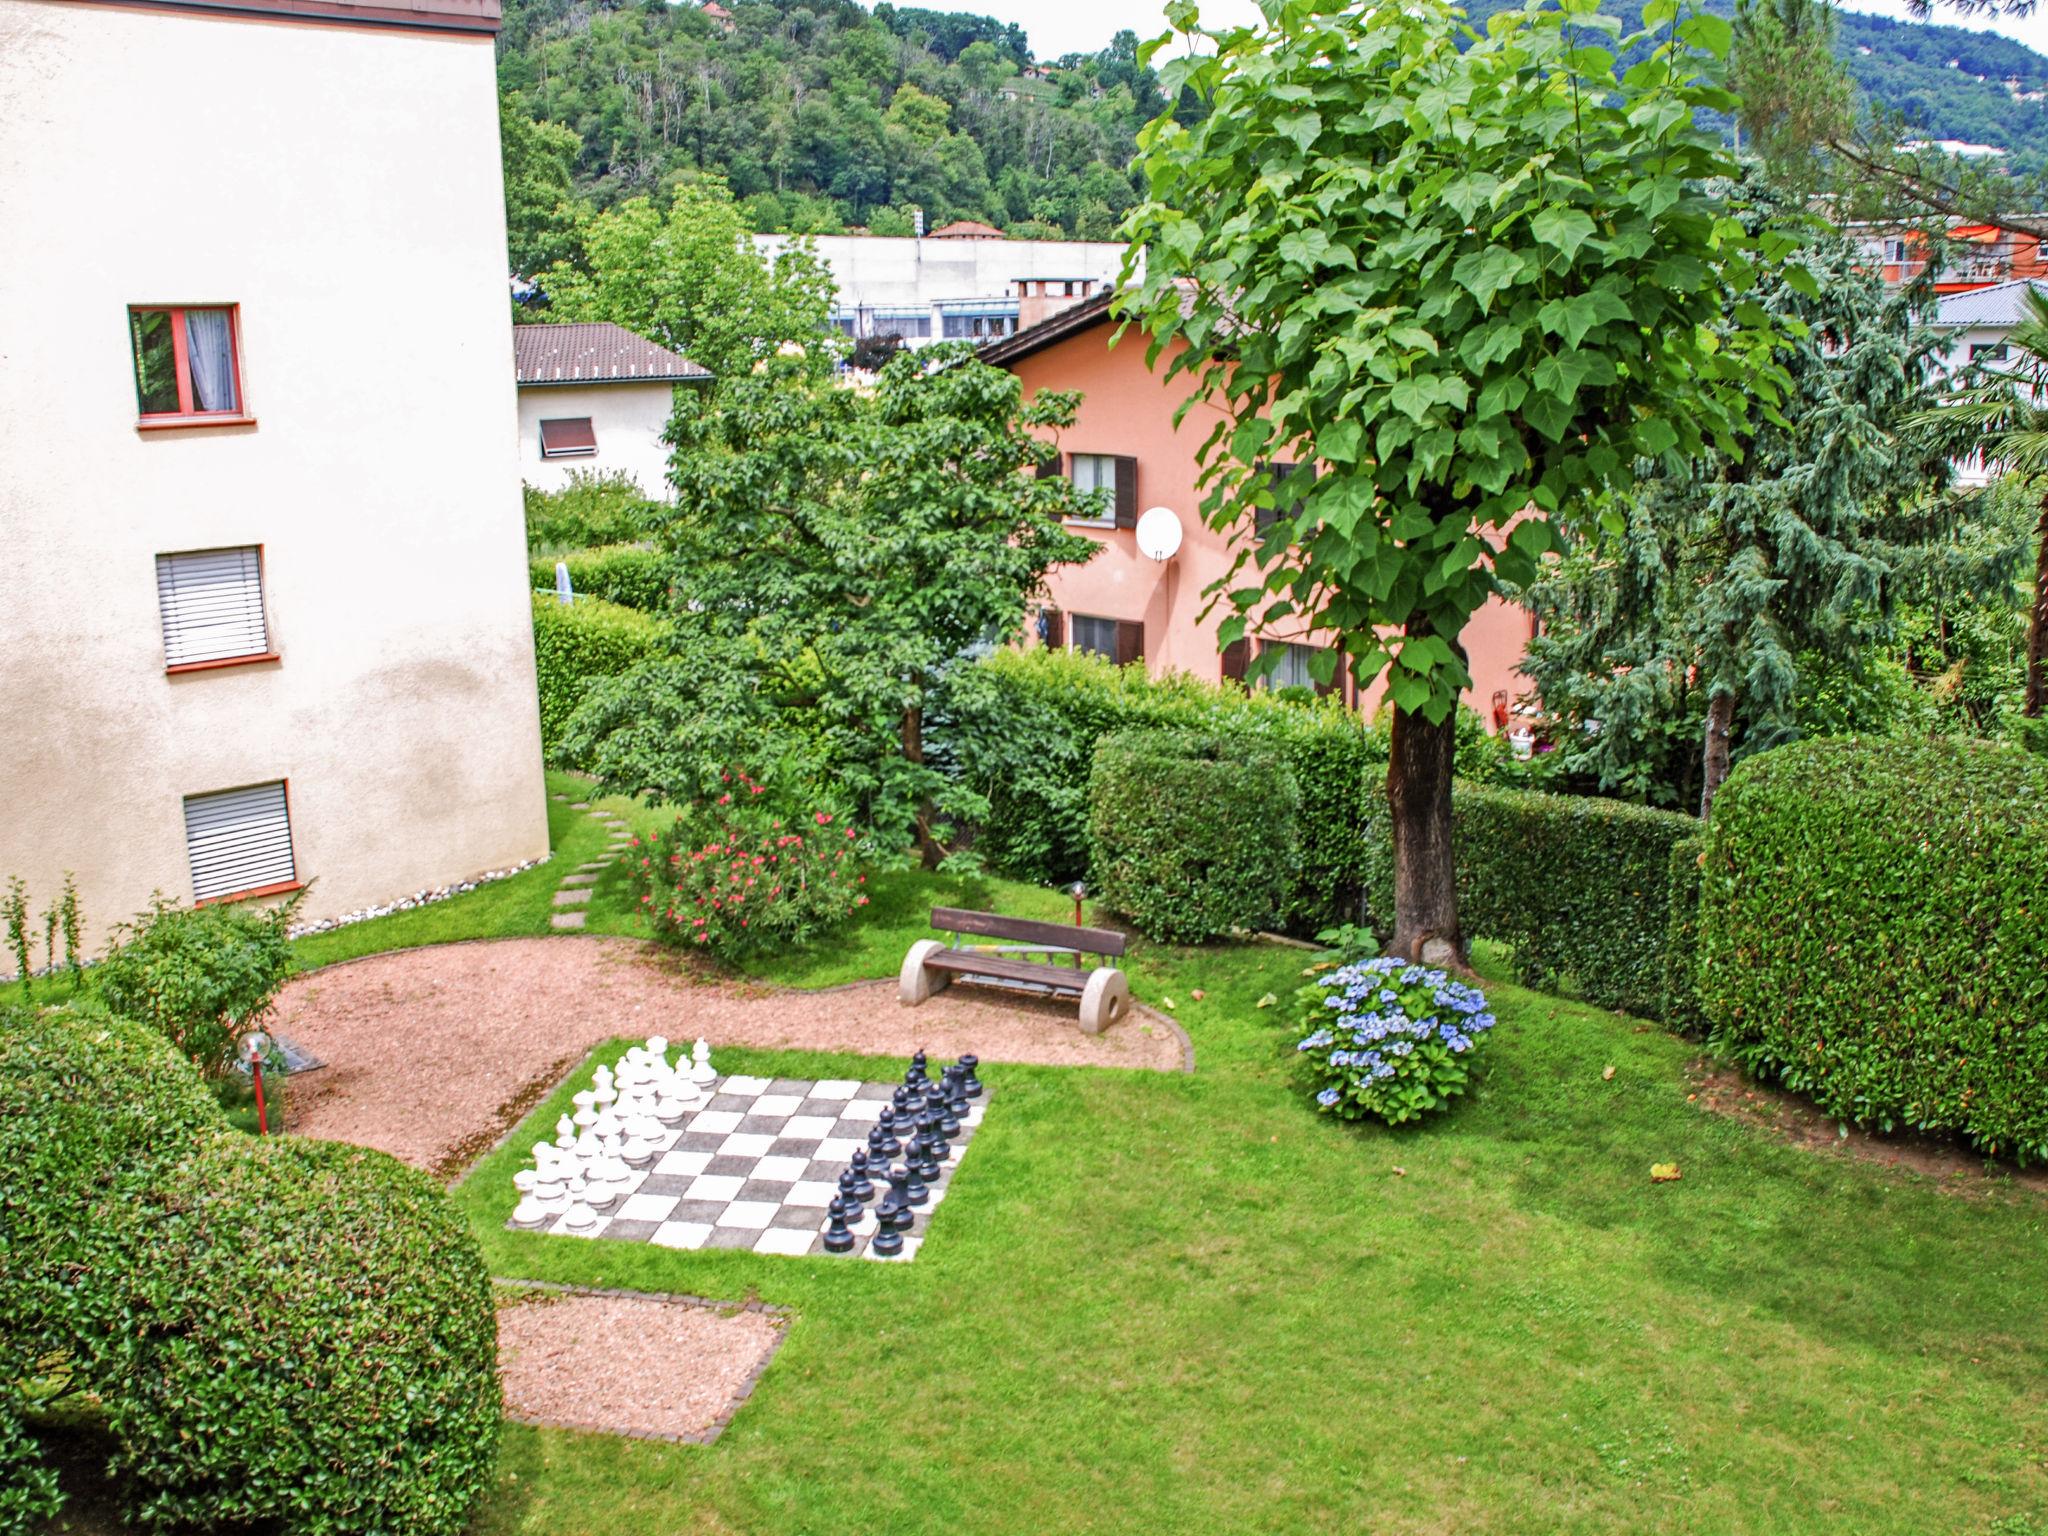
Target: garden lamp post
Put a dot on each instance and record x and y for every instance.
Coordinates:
(253, 1045)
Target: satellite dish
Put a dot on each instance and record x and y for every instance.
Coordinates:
(1159, 533)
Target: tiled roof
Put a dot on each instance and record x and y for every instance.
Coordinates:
(595, 353)
(966, 229)
(2000, 304)
(1005, 350)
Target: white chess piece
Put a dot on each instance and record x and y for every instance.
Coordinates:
(565, 1133)
(637, 1151)
(580, 1219)
(700, 1063)
(586, 1109)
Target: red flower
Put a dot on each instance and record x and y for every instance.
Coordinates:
(860, 901)
(822, 818)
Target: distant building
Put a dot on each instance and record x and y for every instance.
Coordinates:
(943, 288)
(719, 14)
(1978, 255)
(1978, 323)
(966, 229)
(595, 397)
(267, 620)
(1129, 607)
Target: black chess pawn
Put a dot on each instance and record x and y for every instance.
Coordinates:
(914, 1190)
(901, 1097)
(969, 1083)
(837, 1238)
(936, 1136)
(945, 1118)
(903, 1219)
(849, 1191)
(917, 1073)
(887, 1242)
(863, 1186)
(882, 1146)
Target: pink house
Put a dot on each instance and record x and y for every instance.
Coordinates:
(1128, 606)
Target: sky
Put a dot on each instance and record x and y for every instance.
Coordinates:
(1082, 26)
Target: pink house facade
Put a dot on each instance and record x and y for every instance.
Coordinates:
(1128, 606)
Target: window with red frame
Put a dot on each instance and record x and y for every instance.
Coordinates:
(187, 361)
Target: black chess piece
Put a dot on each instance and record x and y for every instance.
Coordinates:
(914, 1190)
(837, 1238)
(849, 1191)
(933, 1129)
(969, 1083)
(863, 1186)
(887, 1243)
(944, 1117)
(917, 1073)
(883, 1145)
(901, 1097)
(903, 1219)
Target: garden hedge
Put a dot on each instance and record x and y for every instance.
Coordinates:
(587, 510)
(1681, 1011)
(1023, 728)
(577, 644)
(1874, 933)
(1578, 887)
(310, 1346)
(631, 575)
(1190, 835)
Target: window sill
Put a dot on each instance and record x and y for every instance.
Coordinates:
(224, 661)
(574, 453)
(197, 419)
(1105, 524)
(282, 888)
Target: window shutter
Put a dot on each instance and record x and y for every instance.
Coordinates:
(1052, 629)
(567, 437)
(239, 840)
(1052, 468)
(1126, 492)
(1130, 636)
(212, 605)
(1236, 658)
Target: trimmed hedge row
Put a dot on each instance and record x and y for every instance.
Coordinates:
(1682, 939)
(1023, 727)
(295, 1334)
(1874, 933)
(1578, 887)
(1190, 835)
(575, 645)
(631, 575)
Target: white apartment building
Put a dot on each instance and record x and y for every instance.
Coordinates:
(266, 615)
(596, 398)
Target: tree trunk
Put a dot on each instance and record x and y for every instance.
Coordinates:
(928, 849)
(1425, 877)
(1714, 763)
(2037, 631)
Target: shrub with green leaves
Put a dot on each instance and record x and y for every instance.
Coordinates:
(1681, 1011)
(91, 1109)
(309, 1345)
(588, 510)
(578, 645)
(1577, 886)
(199, 975)
(1874, 933)
(631, 575)
(1385, 1040)
(1190, 835)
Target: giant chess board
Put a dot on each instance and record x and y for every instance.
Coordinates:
(758, 1165)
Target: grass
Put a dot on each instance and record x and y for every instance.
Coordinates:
(1168, 1303)
(1187, 1304)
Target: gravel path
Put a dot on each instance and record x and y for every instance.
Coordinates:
(632, 1365)
(433, 1053)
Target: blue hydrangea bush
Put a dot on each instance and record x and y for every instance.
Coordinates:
(1389, 1040)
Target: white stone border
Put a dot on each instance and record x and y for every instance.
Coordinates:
(417, 899)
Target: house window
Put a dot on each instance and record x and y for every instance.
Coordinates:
(568, 437)
(1895, 251)
(1988, 352)
(1095, 472)
(1119, 640)
(239, 842)
(187, 362)
(979, 326)
(906, 326)
(1277, 481)
(1291, 670)
(212, 606)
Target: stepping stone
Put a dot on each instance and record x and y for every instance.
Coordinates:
(558, 797)
(573, 898)
(567, 920)
(584, 869)
(573, 880)
(579, 805)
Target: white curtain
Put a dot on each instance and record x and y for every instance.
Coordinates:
(212, 358)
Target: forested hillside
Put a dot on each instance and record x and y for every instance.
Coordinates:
(822, 114)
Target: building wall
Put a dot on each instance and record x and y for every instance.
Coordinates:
(1127, 409)
(341, 184)
(627, 418)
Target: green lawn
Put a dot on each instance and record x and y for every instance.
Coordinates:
(1187, 1304)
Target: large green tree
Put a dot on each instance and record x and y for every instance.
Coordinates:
(1477, 279)
(836, 554)
(1737, 579)
(690, 279)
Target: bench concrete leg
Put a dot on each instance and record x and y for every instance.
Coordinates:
(916, 982)
(1104, 999)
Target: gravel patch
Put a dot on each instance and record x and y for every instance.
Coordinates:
(433, 1053)
(630, 1365)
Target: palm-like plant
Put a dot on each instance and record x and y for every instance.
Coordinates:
(2004, 416)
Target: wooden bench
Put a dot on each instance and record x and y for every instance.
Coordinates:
(1104, 991)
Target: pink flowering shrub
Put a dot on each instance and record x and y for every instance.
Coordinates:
(743, 875)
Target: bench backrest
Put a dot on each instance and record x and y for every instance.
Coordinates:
(1022, 930)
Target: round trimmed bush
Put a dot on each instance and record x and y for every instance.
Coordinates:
(1873, 932)
(1191, 835)
(632, 575)
(309, 1342)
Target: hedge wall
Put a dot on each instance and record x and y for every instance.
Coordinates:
(1190, 835)
(578, 643)
(1579, 887)
(631, 575)
(1874, 933)
(1023, 728)
(1682, 939)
